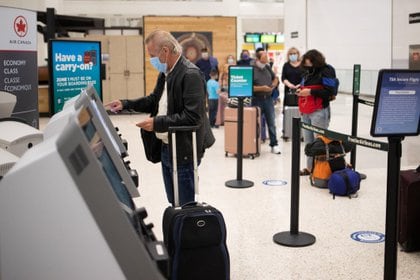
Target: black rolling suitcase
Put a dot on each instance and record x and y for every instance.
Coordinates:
(194, 234)
(409, 210)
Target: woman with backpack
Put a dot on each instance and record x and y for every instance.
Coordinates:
(314, 95)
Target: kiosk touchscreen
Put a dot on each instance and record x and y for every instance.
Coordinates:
(67, 213)
(240, 81)
(104, 129)
(397, 104)
(103, 117)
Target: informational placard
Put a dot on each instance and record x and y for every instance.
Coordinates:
(397, 103)
(241, 81)
(73, 66)
(18, 61)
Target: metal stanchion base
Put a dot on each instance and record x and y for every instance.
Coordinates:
(301, 239)
(238, 184)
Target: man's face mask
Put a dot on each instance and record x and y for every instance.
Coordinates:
(161, 67)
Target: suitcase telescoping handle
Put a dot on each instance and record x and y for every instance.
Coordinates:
(172, 131)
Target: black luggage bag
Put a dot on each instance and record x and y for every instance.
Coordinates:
(194, 234)
(409, 210)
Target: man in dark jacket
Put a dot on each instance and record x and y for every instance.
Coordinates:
(177, 100)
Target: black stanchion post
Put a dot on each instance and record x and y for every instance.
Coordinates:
(355, 114)
(394, 162)
(239, 182)
(294, 238)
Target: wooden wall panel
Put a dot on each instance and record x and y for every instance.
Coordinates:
(223, 29)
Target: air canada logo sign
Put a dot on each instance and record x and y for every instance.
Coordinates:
(21, 26)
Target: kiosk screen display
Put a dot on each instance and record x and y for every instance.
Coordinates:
(109, 129)
(72, 66)
(241, 81)
(397, 104)
(108, 166)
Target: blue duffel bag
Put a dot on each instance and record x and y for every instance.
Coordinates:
(345, 182)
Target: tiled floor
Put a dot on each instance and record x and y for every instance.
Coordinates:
(255, 214)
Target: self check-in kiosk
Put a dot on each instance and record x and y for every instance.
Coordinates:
(17, 136)
(7, 104)
(7, 160)
(89, 99)
(102, 115)
(65, 212)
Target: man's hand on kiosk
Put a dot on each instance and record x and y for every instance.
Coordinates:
(114, 106)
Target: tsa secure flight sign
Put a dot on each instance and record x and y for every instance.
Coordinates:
(18, 61)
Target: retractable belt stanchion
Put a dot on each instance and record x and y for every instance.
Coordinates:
(239, 182)
(394, 162)
(294, 238)
(355, 111)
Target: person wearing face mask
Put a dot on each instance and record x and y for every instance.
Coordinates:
(291, 77)
(207, 63)
(223, 95)
(264, 82)
(245, 58)
(178, 99)
(314, 96)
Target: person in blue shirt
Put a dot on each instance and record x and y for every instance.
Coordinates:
(213, 90)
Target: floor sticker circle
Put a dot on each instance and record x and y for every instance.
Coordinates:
(368, 236)
(275, 182)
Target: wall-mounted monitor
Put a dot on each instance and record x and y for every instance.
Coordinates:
(397, 103)
(252, 38)
(73, 65)
(268, 38)
(241, 81)
(280, 38)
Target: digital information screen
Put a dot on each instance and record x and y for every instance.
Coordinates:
(397, 103)
(241, 81)
(252, 38)
(268, 38)
(73, 65)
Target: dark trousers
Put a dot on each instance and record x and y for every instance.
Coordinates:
(185, 178)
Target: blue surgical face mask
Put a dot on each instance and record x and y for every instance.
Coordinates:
(293, 57)
(161, 67)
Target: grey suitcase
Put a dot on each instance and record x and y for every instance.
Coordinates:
(289, 113)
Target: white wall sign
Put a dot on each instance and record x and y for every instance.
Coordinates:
(18, 61)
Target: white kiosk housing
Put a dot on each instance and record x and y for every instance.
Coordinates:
(7, 104)
(89, 99)
(66, 214)
(17, 137)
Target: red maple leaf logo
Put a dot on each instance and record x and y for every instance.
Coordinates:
(20, 26)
